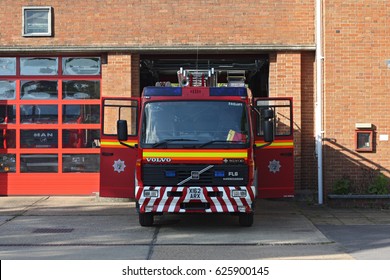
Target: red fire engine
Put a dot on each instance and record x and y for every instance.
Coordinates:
(197, 149)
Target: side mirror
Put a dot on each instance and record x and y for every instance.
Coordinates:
(268, 125)
(121, 128)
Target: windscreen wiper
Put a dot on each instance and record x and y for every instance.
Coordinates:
(221, 141)
(165, 141)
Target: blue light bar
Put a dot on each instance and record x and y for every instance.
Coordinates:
(170, 173)
(219, 173)
(228, 91)
(162, 91)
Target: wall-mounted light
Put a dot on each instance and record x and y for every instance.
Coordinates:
(363, 125)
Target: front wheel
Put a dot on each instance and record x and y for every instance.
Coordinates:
(245, 220)
(146, 219)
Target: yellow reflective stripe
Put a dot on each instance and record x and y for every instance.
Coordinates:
(277, 144)
(115, 143)
(222, 154)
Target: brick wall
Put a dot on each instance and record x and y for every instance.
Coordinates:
(164, 22)
(357, 86)
(121, 75)
(116, 75)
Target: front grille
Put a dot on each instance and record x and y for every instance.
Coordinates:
(206, 178)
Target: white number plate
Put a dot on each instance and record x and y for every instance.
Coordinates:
(195, 192)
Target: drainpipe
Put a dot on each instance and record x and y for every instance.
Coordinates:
(318, 105)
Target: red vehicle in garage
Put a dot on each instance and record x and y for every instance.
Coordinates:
(196, 148)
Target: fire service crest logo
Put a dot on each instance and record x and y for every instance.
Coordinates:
(119, 166)
(274, 166)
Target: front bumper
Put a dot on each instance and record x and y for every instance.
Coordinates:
(203, 199)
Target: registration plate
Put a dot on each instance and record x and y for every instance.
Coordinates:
(195, 192)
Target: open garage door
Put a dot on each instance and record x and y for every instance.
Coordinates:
(163, 68)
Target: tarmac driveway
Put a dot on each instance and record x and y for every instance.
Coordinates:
(90, 228)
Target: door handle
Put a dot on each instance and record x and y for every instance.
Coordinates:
(286, 154)
(107, 154)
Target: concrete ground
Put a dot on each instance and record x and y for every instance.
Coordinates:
(363, 233)
(48, 227)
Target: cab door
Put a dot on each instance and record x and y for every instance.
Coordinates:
(117, 162)
(275, 162)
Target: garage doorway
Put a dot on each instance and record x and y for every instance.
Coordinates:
(163, 68)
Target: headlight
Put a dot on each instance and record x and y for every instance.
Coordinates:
(238, 193)
(150, 193)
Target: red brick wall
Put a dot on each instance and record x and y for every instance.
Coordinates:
(164, 22)
(121, 75)
(116, 75)
(357, 86)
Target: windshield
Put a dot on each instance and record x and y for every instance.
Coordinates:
(195, 124)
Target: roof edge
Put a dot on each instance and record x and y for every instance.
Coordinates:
(159, 49)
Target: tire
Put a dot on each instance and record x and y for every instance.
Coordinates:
(146, 219)
(245, 220)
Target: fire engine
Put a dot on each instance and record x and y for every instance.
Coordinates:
(197, 148)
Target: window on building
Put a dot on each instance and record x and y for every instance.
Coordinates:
(7, 66)
(38, 163)
(38, 90)
(81, 65)
(80, 138)
(7, 114)
(37, 21)
(7, 138)
(7, 163)
(81, 89)
(81, 114)
(80, 163)
(38, 114)
(7, 90)
(38, 66)
(364, 140)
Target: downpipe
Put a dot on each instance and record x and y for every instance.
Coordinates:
(319, 96)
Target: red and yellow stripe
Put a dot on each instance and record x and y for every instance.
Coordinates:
(105, 143)
(277, 144)
(195, 154)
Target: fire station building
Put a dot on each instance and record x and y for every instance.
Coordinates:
(58, 59)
